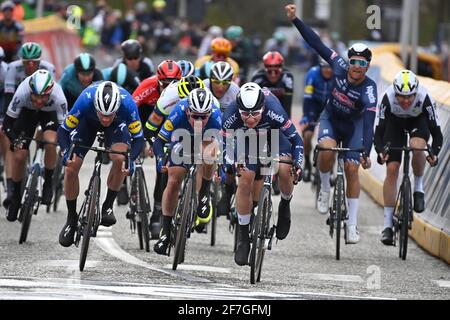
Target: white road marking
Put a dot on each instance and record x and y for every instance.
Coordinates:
(332, 277)
(442, 283)
(194, 267)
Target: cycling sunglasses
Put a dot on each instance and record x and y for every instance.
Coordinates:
(253, 114)
(199, 116)
(166, 82)
(361, 63)
(273, 70)
(222, 82)
(133, 58)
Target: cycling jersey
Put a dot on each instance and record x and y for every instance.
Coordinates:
(146, 68)
(147, 93)
(228, 98)
(282, 89)
(347, 103)
(273, 117)
(203, 67)
(419, 119)
(316, 94)
(178, 119)
(84, 112)
(22, 100)
(71, 85)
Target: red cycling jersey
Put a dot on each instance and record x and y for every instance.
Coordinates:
(147, 93)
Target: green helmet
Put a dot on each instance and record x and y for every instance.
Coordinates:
(233, 32)
(30, 51)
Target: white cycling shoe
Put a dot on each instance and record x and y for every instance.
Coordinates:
(323, 202)
(352, 235)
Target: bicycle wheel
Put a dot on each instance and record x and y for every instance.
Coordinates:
(406, 207)
(258, 237)
(58, 182)
(215, 203)
(181, 226)
(26, 210)
(133, 204)
(339, 194)
(88, 227)
(143, 209)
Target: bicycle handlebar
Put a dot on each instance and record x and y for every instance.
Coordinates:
(341, 150)
(388, 148)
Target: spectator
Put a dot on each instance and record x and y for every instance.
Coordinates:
(11, 32)
(112, 32)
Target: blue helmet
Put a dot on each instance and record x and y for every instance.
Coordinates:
(187, 68)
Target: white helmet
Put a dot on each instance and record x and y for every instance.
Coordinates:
(250, 97)
(41, 82)
(406, 83)
(200, 101)
(107, 98)
(222, 71)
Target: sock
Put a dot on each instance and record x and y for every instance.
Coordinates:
(388, 213)
(418, 184)
(353, 205)
(205, 186)
(157, 205)
(285, 197)
(48, 175)
(9, 185)
(307, 161)
(166, 223)
(16, 186)
(325, 181)
(243, 219)
(72, 212)
(110, 197)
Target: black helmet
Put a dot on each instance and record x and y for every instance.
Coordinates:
(84, 63)
(360, 49)
(131, 49)
(124, 77)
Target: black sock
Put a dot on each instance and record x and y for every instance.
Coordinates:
(71, 211)
(16, 186)
(166, 224)
(110, 197)
(307, 161)
(204, 190)
(9, 185)
(48, 175)
(229, 189)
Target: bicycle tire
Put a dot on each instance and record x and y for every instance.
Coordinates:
(133, 203)
(215, 202)
(182, 228)
(339, 193)
(58, 182)
(142, 209)
(26, 210)
(258, 237)
(406, 207)
(88, 228)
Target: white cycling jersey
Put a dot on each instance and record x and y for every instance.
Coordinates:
(423, 103)
(169, 98)
(229, 96)
(16, 74)
(22, 99)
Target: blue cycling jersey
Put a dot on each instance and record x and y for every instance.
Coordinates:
(347, 102)
(316, 94)
(178, 120)
(273, 117)
(84, 110)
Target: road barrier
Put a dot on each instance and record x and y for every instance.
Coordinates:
(431, 229)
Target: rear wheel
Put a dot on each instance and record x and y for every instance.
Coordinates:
(27, 208)
(89, 226)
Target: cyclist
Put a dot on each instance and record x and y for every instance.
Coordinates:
(78, 76)
(106, 107)
(276, 78)
(241, 50)
(38, 100)
(406, 105)
(221, 85)
(187, 67)
(146, 96)
(348, 117)
(197, 111)
(317, 90)
(257, 109)
(220, 51)
(132, 57)
(123, 76)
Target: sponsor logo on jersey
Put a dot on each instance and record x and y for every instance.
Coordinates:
(343, 99)
(135, 127)
(229, 122)
(370, 94)
(287, 125)
(71, 121)
(274, 116)
(309, 89)
(168, 125)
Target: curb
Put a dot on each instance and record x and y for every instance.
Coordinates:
(433, 240)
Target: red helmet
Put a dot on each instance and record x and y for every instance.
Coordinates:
(273, 59)
(168, 70)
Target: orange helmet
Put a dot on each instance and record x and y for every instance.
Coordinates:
(221, 46)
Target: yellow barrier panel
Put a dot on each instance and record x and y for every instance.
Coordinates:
(49, 23)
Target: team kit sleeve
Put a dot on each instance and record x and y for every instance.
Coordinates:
(165, 133)
(384, 113)
(370, 102)
(433, 124)
(134, 126)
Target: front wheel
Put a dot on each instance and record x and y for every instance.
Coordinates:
(259, 237)
(181, 225)
(406, 208)
(27, 208)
